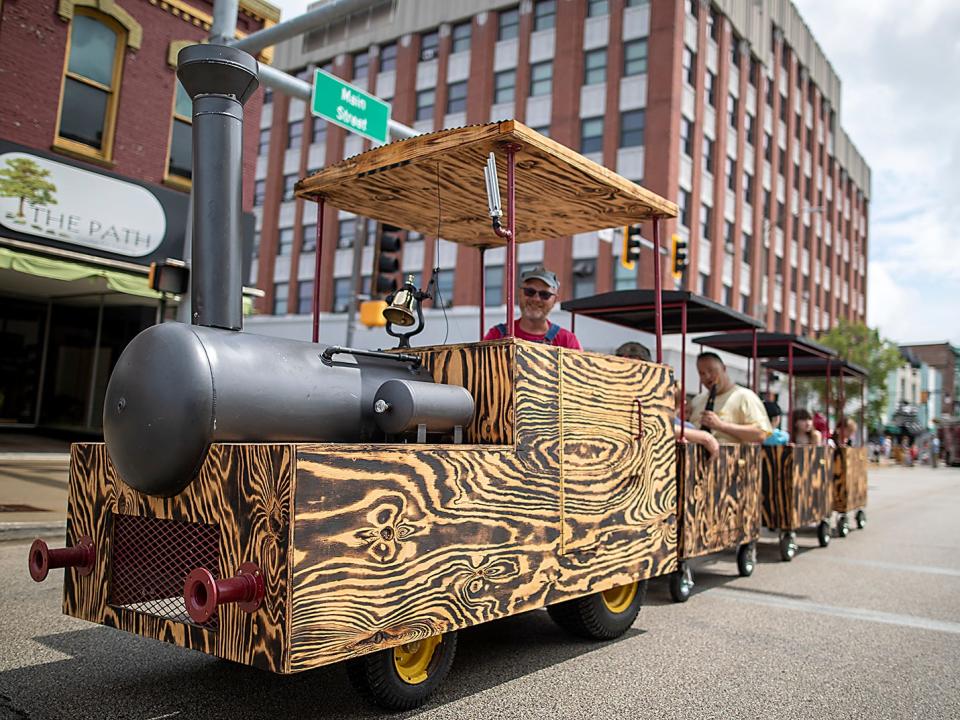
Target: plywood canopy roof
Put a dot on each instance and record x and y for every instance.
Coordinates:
(559, 192)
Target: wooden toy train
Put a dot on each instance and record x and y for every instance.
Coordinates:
(288, 505)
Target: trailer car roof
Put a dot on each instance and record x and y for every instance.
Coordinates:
(635, 309)
(817, 367)
(769, 345)
(559, 192)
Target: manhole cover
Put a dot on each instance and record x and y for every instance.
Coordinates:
(21, 508)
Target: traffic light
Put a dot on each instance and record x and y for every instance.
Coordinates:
(630, 252)
(679, 259)
(386, 261)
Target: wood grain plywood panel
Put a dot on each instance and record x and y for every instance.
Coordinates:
(559, 192)
(245, 491)
(797, 486)
(849, 479)
(619, 492)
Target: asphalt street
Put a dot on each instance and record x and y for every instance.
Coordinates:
(866, 628)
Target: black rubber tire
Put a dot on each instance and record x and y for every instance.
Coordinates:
(681, 584)
(747, 559)
(788, 545)
(843, 525)
(588, 617)
(861, 519)
(375, 677)
(823, 533)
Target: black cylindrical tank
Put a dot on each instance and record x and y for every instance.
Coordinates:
(402, 405)
(177, 388)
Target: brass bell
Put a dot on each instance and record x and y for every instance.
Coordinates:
(402, 310)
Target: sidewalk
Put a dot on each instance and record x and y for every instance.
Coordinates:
(34, 475)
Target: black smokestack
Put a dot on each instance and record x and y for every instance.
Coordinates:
(219, 80)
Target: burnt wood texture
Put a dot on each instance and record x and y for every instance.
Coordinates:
(719, 498)
(560, 492)
(244, 490)
(849, 479)
(559, 191)
(797, 486)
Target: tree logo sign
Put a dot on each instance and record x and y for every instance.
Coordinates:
(67, 204)
(22, 178)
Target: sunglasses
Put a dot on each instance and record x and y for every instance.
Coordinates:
(544, 294)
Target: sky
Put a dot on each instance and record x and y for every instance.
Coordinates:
(899, 68)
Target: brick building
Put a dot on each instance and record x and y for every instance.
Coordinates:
(944, 357)
(95, 151)
(728, 108)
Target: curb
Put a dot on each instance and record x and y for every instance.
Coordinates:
(31, 530)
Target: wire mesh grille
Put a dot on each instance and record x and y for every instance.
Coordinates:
(151, 561)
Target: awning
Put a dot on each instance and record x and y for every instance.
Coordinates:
(67, 271)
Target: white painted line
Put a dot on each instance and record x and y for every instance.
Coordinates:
(168, 715)
(910, 621)
(929, 569)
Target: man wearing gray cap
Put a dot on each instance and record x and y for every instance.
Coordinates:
(538, 295)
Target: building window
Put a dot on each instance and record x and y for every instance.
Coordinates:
(341, 294)
(305, 297)
(346, 232)
(543, 130)
(319, 131)
(457, 97)
(635, 57)
(509, 25)
(544, 15)
(180, 161)
(708, 160)
(584, 278)
(425, 102)
(683, 204)
(596, 8)
(768, 147)
(461, 37)
(709, 89)
(747, 187)
(728, 232)
(704, 283)
(285, 241)
(746, 248)
(541, 79)
(88, 105)
(714, 23)
(361, 65)
(388, 57)
(267, 96)
(733, 109)
(731, 174)
(429, 45)
(294, 134)
(631, 128)
(281, 292)
(263, 145)
(493, 280)
(308, 241)
(637, 3)
(690, 65)
(595, 67)
(288, 183)
(591, 135)
(686, 136)
(259, 192)
(444, 289)
(706, 220)
(751, 129)
(504, 86)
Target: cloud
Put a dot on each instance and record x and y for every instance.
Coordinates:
(899, 105)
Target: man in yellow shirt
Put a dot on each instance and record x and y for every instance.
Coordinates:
(738, 415)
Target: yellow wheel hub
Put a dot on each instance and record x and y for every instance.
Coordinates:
(412, 660)
(618, 599)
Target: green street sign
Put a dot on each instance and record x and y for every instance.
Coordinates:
(350, 107)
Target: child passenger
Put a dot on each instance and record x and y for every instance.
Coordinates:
(778, 437)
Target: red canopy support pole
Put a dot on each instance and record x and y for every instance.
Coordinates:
(657, 288)
(512, 240)
(841, 411)
(316, 272)
(756, 370)
(863, 404)
(483, 293)
(790, 384)
(683, 368)
(829, 393)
